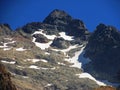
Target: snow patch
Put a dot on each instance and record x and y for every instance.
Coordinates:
(34, 67)
(75, 59)
(33, 60)
(53, 68)
(11, 62)
(87, 75)
(43, 46)
(46, 53)
(5, 47)
(20, 49)
(11, 42)
(48, 85)
(36, 60)
(21, 67)
(8, 39)
(43, 60)
(25, 76)
(66, 37)
(61, 63)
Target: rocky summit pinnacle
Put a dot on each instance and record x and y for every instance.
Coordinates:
(57, 17)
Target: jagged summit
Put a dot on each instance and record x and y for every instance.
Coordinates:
(58, 17)
(59, 21)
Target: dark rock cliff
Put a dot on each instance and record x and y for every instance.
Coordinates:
(103, 49)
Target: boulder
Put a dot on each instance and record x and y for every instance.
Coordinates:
(60, 43)
(40, 38)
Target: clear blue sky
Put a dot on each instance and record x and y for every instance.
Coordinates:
(19, 12)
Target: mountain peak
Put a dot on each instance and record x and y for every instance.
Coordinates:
(58, 13)
(57, 17)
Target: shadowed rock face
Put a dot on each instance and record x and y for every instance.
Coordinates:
(77, 28)
(103, 49)
(5, 81)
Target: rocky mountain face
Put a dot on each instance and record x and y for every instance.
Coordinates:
(49, 55)
(58, 21)
(103, 49)
(5, 29)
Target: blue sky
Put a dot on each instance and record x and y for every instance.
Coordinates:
(19, 12)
